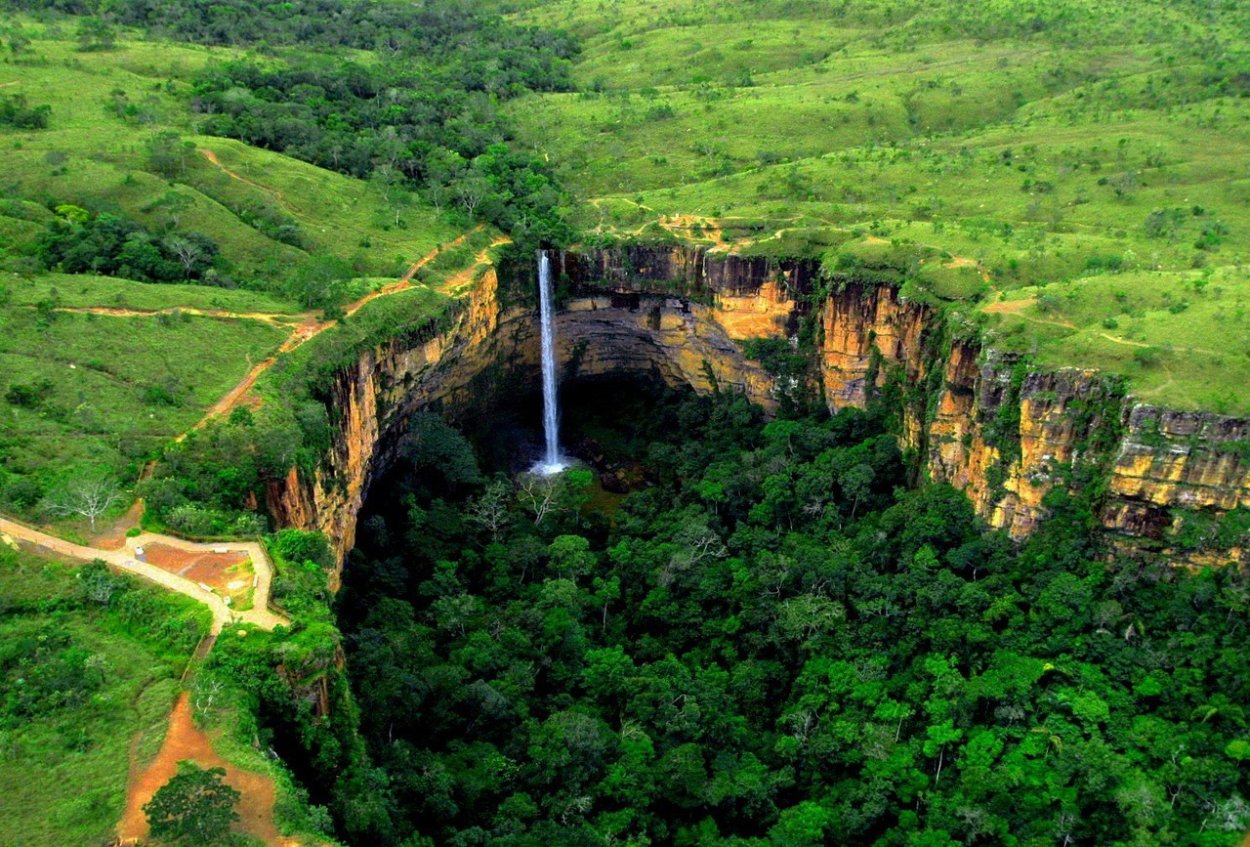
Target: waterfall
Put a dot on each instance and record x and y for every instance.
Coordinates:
(552, 461)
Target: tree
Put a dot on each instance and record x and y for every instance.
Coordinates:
(193, 251)
(97, 583)
(319, 282)
(188, 252)
(194, 807)
(389, 182)
(435, 445)
(89, 495)
(168, 154)
(808, 615)
(490, 510)
(539, 493)
(571, 557)
(470, 191)
(96, 34)
(856, 482)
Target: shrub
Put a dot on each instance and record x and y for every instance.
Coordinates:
(28, 395)
(15, 112)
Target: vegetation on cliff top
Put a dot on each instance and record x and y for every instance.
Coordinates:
(528, 670)
(1021, 144)
(108, 182)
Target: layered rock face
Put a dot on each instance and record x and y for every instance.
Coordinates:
(1171, 460)
(625, 330)
(370, 401)
(1006, 470)
(863, 324)
(975, 419)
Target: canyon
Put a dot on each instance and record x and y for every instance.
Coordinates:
(979, 419)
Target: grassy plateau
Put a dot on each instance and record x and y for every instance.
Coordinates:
(1076, 149)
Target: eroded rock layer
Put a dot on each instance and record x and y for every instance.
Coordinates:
(979, 420)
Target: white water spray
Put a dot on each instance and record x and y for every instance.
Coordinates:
(552, 462)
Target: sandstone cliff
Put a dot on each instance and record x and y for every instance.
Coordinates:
(981, 421)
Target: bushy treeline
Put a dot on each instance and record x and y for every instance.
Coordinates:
(78, 241)
(499, 54)
(394, 121)
(49, 670)
(776, 643)
(423, 111)
(17, 113)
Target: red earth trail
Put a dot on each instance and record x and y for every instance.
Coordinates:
(310, 327)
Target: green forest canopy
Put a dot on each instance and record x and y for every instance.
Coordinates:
(778, 643)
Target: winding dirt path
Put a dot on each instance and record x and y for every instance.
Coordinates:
(211, 158)
(1017, 307)
(458, 280)
(275, 318)
(310, 327)
(127, 559)
(1009, 307)
(405, 281)
(184, 740)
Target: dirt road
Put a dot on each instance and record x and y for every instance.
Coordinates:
(125, 559)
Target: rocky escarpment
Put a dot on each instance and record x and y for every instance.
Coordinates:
(369, 401)
(984, 422)
(1171, 461)
(660, 331)
(1004, 433)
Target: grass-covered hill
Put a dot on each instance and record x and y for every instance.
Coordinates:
(148, 263)
(199, 200)
(1083, 161)
(185, 185)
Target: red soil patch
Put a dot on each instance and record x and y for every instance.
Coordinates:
(114, 537)
(1010, 307)
(212, 569)
(186, 741)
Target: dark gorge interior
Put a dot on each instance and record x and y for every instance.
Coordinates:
(769, 639)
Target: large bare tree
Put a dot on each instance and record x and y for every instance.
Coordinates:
(89, 495)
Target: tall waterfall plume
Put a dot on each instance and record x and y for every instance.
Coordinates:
(553, 461)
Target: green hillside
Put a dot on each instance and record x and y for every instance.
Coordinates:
(269, 213)
(1076, 173)
(1080, 145)
(225, 222)
(101, 393)
(89, 684)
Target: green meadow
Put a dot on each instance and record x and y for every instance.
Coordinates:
(100, 392)
(106, 392)
(1078, 145)
(85, 291)
(106, 108)
(91, 664)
